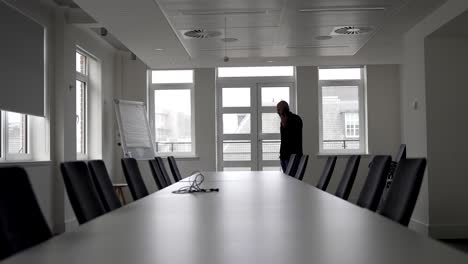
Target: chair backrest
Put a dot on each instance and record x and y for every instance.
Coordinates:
(103, 184)
(81, 191)
(174, 169)
(375, 182)
(301, 167)
(22, 224)
(135, 182)
(162, 167)
(349, 175)
(401, 153)
(157, 174)
(327, 173)
(292, 165)
(404, 191)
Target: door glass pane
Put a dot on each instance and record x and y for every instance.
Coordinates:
(256, 71)
(17, 138)
(338, 103)
(172, 76)
(271, 168)
(173, 120)
(80, 117)
(340, 74)
(80, 63)
(270, 149)
(236, 150)
(271, 96)
(236, 169)
(236, 97)
(270, 123)
(236, 123)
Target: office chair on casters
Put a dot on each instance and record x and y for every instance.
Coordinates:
(301, 167)
(292, 165)
(327, 173)
(404, 191)
(349, 175)
(103, 184)
(157, 174)
(375, 183)
(134, 179)
(81, 191)
(22, 224)
(174, 169)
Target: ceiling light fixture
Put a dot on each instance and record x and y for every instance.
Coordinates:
(228, 12)
(159, 49)
(342, 9)
(226, 58)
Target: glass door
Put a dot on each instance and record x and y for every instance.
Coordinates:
(269, 138)
(248, 125)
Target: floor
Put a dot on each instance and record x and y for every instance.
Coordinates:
(460, 244)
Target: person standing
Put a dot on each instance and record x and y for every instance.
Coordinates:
(291, 134)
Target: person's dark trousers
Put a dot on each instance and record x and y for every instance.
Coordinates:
(284, 164)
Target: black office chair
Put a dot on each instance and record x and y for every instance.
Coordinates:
(157, 174)
(103, 184)
(162, 167)
(404, 191)
(349, 175)
(22, 224)
(134, 179)
(375, 183)
(327, 173)
(81, 191)
(301, 167)
(292, 165)
(174, 169)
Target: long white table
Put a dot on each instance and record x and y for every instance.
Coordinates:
(257, 217)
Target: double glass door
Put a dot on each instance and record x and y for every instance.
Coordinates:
(248, 123)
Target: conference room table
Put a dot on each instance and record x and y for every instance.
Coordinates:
(256, 217)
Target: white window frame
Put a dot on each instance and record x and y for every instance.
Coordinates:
(362, 94)
(84, 78)
(152, 87)
(5, 156)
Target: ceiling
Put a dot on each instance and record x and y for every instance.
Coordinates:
(265, 31)
(456, 28)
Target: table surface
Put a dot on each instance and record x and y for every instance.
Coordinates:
(257, 217)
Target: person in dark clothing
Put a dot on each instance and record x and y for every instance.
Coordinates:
(291, 134)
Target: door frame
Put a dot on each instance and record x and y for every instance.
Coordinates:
(255, 110)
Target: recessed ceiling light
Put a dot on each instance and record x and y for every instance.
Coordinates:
(323, 37)
(229, 39)
(270, 61)
(343, 9)
(159, 49)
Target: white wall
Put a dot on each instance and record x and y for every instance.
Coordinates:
(383, 101)
(413, 89)
(446, 68)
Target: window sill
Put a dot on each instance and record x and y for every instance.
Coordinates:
(25, 163)
(324, 155)
(180, 157)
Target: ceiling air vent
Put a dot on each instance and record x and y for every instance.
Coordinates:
(201, 34)
(351, 30)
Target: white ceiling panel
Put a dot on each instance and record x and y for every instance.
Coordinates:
(273, 30)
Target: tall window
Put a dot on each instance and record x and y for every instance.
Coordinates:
(82, 81)
(342, 110)
(171, 111)
(14, 140)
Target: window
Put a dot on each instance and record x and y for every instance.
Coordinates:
(15, 140)
(171, 111)
(269, 71)
(82, 81)
(342, 110)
